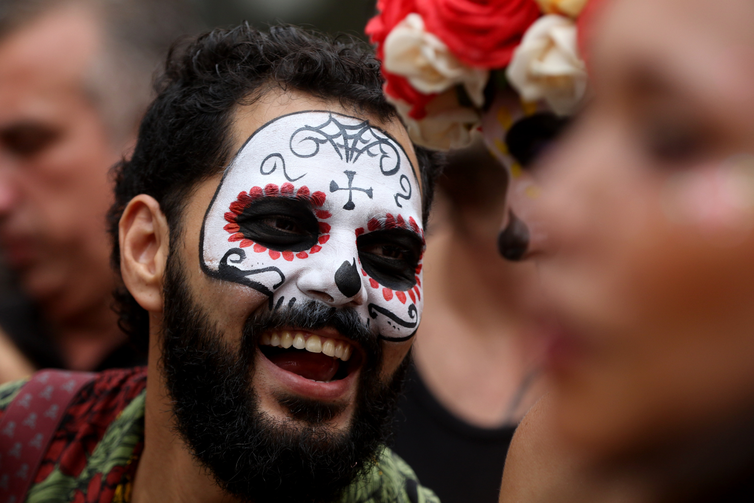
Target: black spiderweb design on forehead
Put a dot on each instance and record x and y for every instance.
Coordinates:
(350, 142)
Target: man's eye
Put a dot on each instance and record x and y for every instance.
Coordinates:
(283, 223)
(29, 140)
(390, 251)
(391, 257)
(280, 224)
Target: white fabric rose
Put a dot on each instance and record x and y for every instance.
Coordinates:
(546, 65)
(446, 126)
(428, 64)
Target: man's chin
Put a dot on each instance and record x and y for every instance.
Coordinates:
(289, 398)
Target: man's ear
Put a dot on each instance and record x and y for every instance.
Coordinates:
(144, 239)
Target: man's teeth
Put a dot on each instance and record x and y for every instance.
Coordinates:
(312, 343)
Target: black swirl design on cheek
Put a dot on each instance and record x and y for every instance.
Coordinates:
(274, 161)
(229, 272)
(374, 309)
(406, 189)
(395, 321)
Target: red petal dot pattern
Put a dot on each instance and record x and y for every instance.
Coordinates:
(287, 189)
(390, 221)
(244, 199)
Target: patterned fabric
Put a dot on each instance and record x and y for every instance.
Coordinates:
(90, 452)
(95, 452)
(30, 422)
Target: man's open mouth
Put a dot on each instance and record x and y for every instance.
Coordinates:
(313, 357)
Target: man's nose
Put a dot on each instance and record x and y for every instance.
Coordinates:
(337, 283)
(9, 190)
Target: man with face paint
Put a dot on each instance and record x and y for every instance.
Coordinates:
(269, 233)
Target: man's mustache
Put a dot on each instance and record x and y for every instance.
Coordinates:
(311, 315)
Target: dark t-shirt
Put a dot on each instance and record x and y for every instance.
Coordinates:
(460, 462)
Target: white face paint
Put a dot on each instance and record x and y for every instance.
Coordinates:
(322, 206)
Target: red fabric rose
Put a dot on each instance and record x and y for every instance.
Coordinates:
(480, 33)
(392, 12)
(400, 88)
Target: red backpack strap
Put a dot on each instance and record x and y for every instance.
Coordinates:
(28, 425)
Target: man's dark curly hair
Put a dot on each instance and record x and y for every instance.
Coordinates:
(184, 137)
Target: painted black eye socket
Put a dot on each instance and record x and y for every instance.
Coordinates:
(531, 136)
(280, 224)
(390, 257)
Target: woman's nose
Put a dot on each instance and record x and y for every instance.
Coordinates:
(513, 240)
(518, 238)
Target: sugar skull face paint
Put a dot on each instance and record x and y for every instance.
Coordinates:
(318, 205)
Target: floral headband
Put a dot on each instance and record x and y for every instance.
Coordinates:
(444, 59)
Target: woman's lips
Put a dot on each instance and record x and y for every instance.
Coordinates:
(563, 348)
(18, 253)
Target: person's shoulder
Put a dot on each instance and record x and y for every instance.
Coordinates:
(390, 479)
(129, 381)
(106, 396)
(97, 435)
(540, 467)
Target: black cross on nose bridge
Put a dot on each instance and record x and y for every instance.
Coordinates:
(349, 205)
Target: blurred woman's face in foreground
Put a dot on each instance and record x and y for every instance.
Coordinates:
(648, 211)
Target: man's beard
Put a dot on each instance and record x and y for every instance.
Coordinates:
(250, 454)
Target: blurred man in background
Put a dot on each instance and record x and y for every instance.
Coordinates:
(75, 78)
